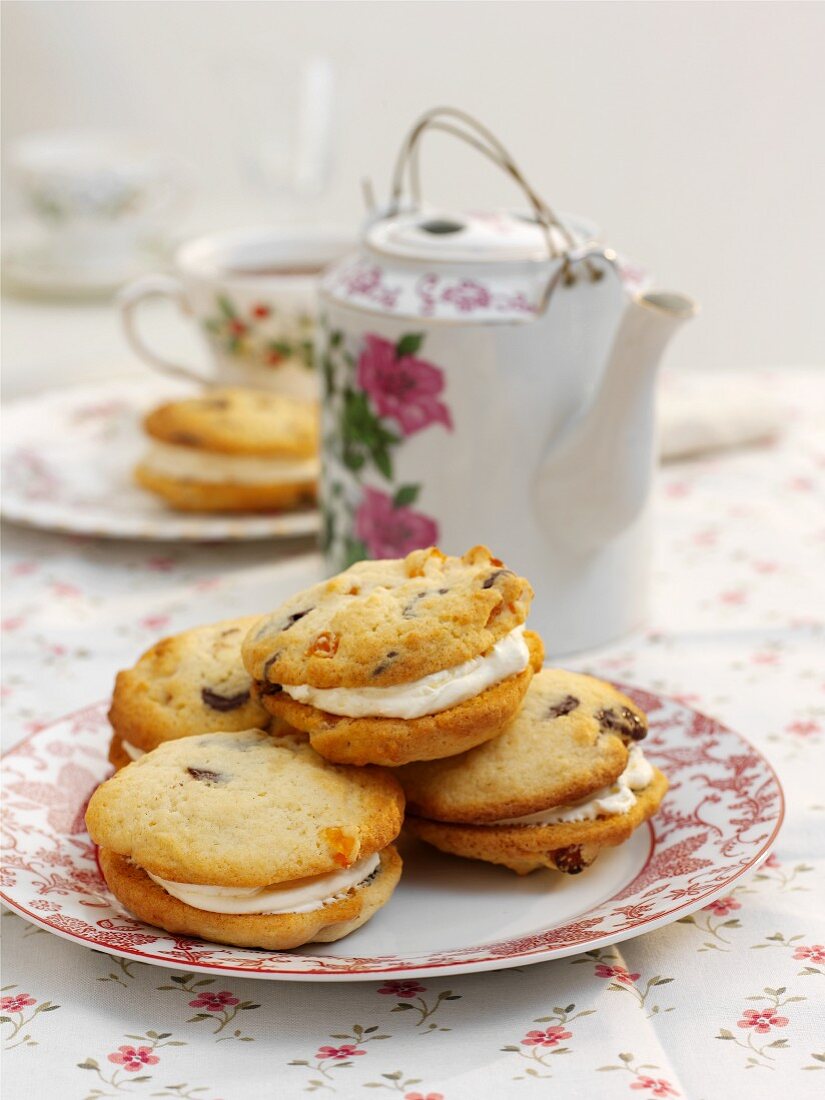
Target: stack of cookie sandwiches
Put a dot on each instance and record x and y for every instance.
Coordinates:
(271, 757)
(564, 780)
(391, 661)
(232, 450)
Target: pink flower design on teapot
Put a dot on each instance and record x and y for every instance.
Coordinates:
(402, 386)
(390, 531)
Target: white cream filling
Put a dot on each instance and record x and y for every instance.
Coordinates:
(615, 799)
(429, 695)
(283, 897)
(132, 751)
(190, 464)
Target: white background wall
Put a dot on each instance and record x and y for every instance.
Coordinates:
(692, 132)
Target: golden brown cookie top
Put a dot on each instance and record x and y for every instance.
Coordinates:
(568, 740)
(238, 422)
(244, 809)
(389, 622)
(188, 683)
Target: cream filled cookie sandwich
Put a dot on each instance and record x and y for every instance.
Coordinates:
(189, 683)
(248, 840)
(414, 658)
(566, 779)
(232, 450)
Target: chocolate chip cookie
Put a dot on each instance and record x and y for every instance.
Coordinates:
(398, 660)
(189, 683)
(249, 840)
(565, 779)
(232, 450)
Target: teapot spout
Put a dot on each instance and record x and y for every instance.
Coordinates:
(662, 312)
(594, 481)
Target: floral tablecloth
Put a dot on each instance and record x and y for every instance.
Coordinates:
(726, 1003)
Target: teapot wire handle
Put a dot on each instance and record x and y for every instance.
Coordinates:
(485, 142)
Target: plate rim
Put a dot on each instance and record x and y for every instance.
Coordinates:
(175, 527)
(526, 958)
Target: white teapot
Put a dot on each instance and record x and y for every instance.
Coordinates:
(490, 378)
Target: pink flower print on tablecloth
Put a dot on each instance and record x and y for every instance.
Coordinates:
(154, 622)
(17, 1002)
(733, 598)
(815, 953)
(803, 727)
(402, 988)
(347, 1050)
(389, 531)
(656, 1085)
(214, 1002)
(761, 1020)
(722, 906)
(402, 386)
(134, 1058)
(550, 1037)
(620, 973)
(423, 1096)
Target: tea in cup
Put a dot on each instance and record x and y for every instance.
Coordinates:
(252, 295)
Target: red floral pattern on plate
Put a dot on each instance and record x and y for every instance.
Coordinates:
(725, 806)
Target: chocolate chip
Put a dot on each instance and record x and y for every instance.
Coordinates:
(206, 776)
(409, 610)
(371, 876)
(624, 721)
(270, 689)
(385, 664)
(569, 860)
(567, 704)
(224, 703)
(185, 439)
(270, 663)
(293, 619)
(491, 580)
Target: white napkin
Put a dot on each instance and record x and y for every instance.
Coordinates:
(699, 412)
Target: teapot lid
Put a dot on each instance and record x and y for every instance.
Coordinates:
(494, 236)
(419, 260)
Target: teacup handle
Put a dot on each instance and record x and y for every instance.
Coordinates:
(131, 297)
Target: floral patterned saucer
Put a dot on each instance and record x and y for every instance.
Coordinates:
(67, 457)
(448, 916)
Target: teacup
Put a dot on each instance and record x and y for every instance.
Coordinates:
(252, 295)
(97, 196)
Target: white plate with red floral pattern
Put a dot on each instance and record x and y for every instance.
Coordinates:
(448, 916)
(67, 459)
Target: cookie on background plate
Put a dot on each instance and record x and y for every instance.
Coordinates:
(405, 659)
(189, 683)
(232, 450)
(566, 779)
(245, 839)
